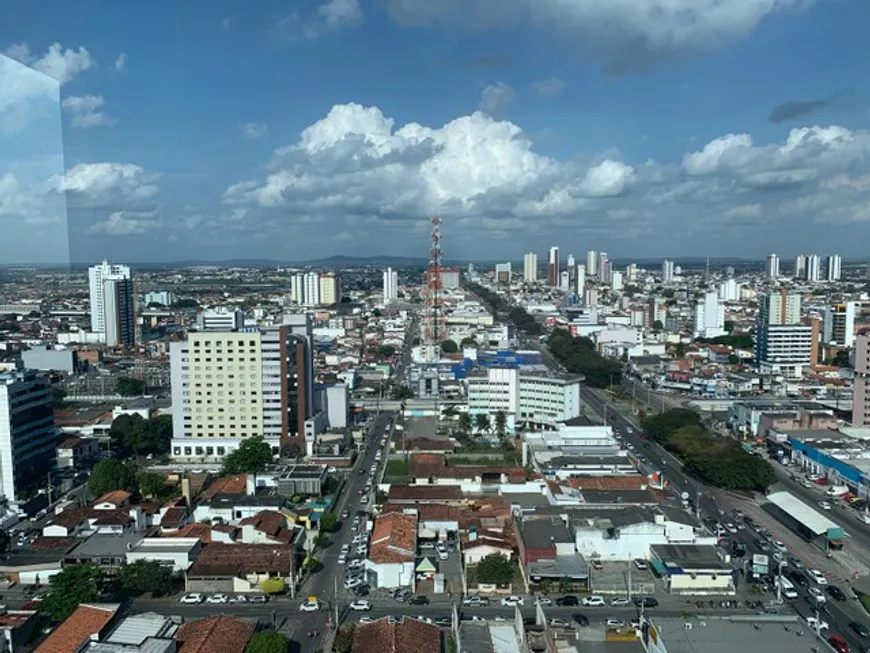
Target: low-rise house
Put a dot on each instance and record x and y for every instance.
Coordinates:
(177, 553)
(393, 548)
(409, 636)
(238, 567)
(223, 633)
(693, 570)
(268, 527)
(139, 633)
(87, 622)
(16, 628)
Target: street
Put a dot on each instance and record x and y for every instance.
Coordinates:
(717, 505)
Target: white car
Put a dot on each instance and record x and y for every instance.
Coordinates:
(779, 546)
(360, 606)
(342, 559)
(817, 624)
(239, 598)
(559, 623)
(824, 505)
(363, 551)
(190, 599)
(356, 563)
(219, 599)
(816, 594)
(615, 623)
(593, 601)
(544, 600)
(511, 601)
(310, 606)
(345, 548)
(425, 619)
(620, 600)
(366, 620)
(817, 576)
(353, 581)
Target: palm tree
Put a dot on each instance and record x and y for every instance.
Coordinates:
(464, 423)
(448, 412)
(481, 422)
(500, 425)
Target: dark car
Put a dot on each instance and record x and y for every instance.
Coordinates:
(647, 602)
(567, 600)
(859, 628)
(836, 593)
(418, 600)
(581, 619)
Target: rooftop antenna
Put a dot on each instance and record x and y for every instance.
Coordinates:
(707, 273)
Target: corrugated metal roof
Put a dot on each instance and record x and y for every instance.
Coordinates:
(797, 509)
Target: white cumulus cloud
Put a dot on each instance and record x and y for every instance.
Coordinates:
(359, 172)
(624, 35)
(58, 63)
(87, 111)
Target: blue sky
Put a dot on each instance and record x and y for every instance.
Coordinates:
(293, 130)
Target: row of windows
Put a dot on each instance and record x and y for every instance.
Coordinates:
(228, 343)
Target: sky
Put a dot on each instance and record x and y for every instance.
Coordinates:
(293, 130)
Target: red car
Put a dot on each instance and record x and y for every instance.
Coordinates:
(840, 645)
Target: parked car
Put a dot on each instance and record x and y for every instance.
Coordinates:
(835, 593)
(192, 598)
(310, 605)
(258, 599)
(360, 606)
(593, 601)
(567, 600)
(817, 576)
(511, 601)
(640, 563)
(816, 595)
(544, 601)
(620, 600)
(647, 602)
(418, 600)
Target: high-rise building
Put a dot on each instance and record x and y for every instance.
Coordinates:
(564, 281)
(861, 384)
(709, 317)
(667, 271)
(592, 263)
(553, 267)
(771, 266)
(784, 345)
(835, 267)
(602, 268)
(503, 273)
(814, 267)
(391, 286)
(220, 318)
(800, 267)
(330, 289)
(571, 267)
(632, 273)
(28, 436)
(530, 267)
(311, 289)
(729, 291)
(838, 325)
(161, 297)
(580, 282)
(779, 308)
(233, 385)
(113, 303)
(616, 281)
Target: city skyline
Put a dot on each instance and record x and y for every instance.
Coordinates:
(657, 137)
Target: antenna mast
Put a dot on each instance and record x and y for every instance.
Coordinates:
(432, 328)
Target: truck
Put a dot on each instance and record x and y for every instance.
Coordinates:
(837, 490)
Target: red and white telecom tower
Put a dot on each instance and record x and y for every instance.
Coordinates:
(432, 327)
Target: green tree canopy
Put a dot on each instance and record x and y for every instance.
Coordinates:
(385, 351)
(738, 341)
(495, 569)
(579, 356)
(112, 474)
(524, 321)
(185, 303)
(268, 641)
(468, 341)
(129, 387)
(658, 326)
(70, 587)
(146, 577)
(402, 392)
(328, 520)
(134, 434)
(449, 347)
(463, 423)
(151, 484)
(500, 424)
(251, 457)
(482, 423)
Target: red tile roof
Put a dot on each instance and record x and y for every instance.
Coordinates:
(394, 538)
(616, 482)
(87, 620)
(116, 498)
(236, 484)
(410, 636)
(222, 559)
(224, 634)
(430, 493)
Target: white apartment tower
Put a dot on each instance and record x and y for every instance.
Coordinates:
(667, 271)
(771, 266)
(580, 282)
(783, 346)
(530, 267)
(311, 289)
(729, 291)
(592, 263)
(391, 286)
(330, 289)
(814, 267)
(113, 304)
(709, 317)
(800, 266)
(835, 267)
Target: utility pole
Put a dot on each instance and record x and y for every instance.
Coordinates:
(48, 489)
(698, 505)
(335, 599)
(778, 582)
(629, 578)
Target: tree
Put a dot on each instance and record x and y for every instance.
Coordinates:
(658, 326)
(500, 424)
(579, 356)
(111, 474)
(146, 577)
(449, 347)
(268, 641)
(129, 387)
(58, 396)
(251, 457)
(385, 351)
(151, 484)
(448, 412)
(70, 587)
(468, 341)
(185, 303)
(328, 520)
(402, 392)
(495, 569)
(464, 423)
(273, 585)
(481, 422)
(135, 434)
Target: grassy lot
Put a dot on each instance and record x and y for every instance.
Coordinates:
(397, 471)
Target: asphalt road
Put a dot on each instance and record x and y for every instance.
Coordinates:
(837, 615)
